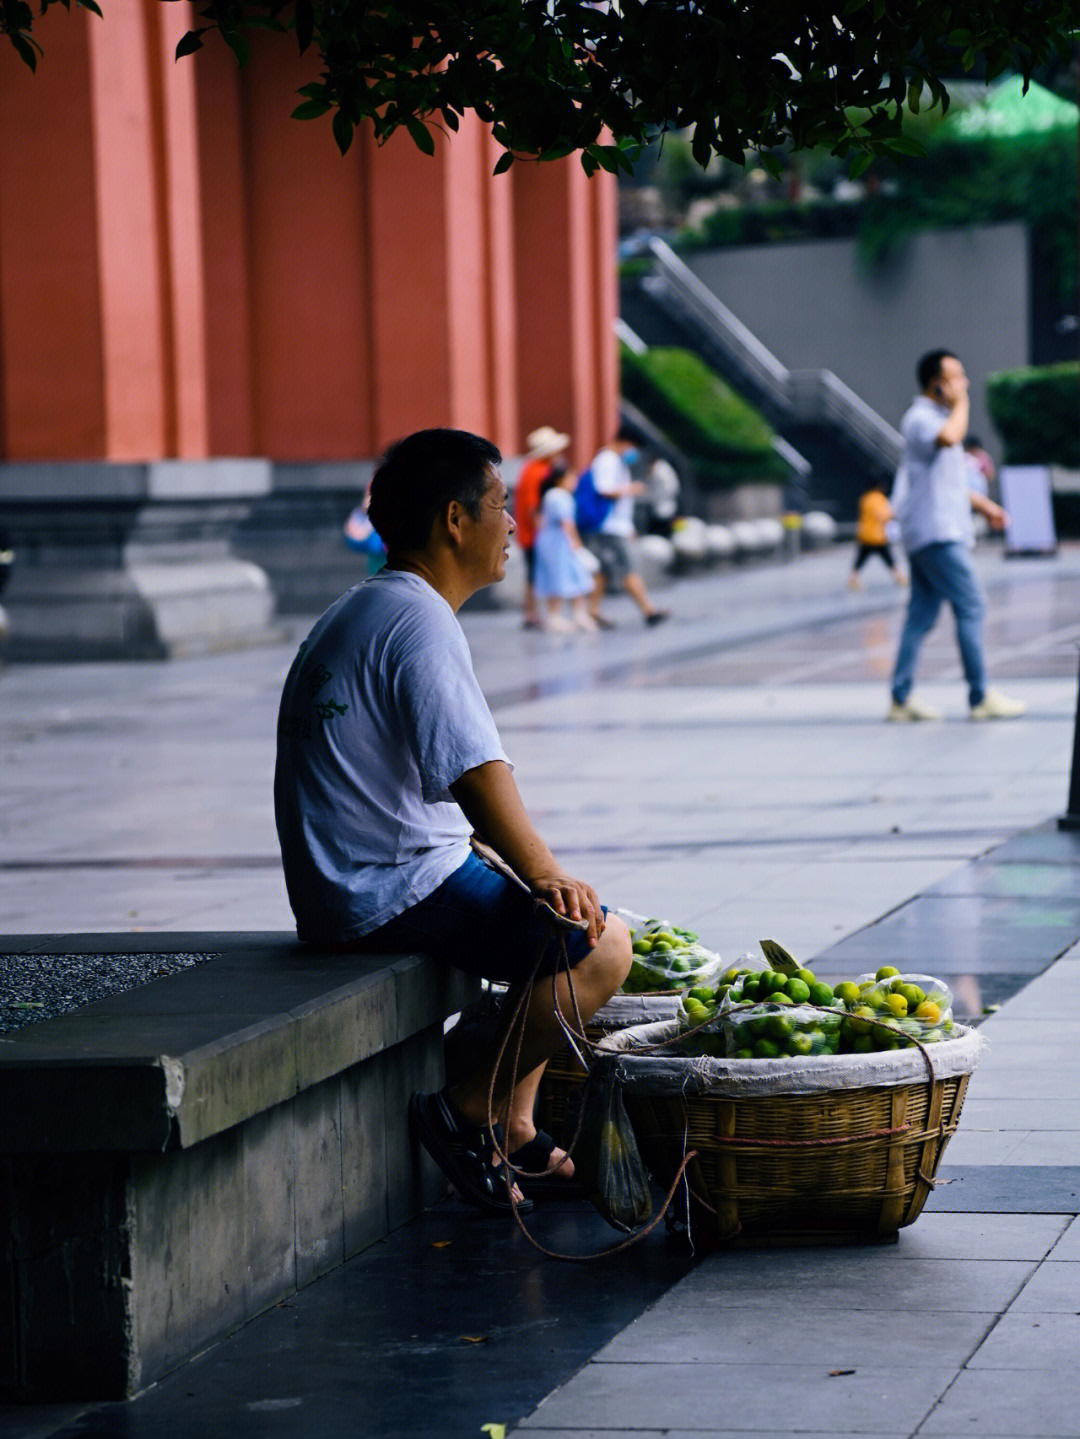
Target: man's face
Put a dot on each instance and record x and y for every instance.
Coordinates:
(488, 545)
(951, 381)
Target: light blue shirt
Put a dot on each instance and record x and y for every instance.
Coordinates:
(935, 506)
(381, 713)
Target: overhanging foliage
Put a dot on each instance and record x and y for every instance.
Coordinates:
(555, 77)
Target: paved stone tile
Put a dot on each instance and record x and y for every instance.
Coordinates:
(982, 1236)
(1007, 1189)
(1045, 1149)
(974, 1146)
(973, 933)
(770, 1397)
(1029, 1342)
(673, 1332)
(867, 1278)
(1016, 1114)
(1053, 1289)
(1017, 880)
(1068, 1246)
(989, 1402)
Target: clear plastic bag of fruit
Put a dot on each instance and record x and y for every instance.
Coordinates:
(667, 957)
(774, 1031)
(915, 1005)
(794, 985)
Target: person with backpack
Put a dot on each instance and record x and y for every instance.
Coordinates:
(605, 517)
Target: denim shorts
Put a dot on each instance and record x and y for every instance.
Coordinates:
(481, 922)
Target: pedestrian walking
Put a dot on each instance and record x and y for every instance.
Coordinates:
(388, 759)
(936, 523)
(605, 514)
(872, 535)
(565, 569)
(546, 446)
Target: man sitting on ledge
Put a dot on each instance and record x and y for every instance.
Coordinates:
(388, 757)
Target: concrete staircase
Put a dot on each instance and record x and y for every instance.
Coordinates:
(846, 443)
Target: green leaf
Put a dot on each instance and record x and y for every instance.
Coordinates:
(422, 137)
(189, 43)
(304, 17)
(902, 145)
(27, 50)
(914, 96)
(311, 110)
(92, 6)
(343, 131)
(503, 163)
(861, 163)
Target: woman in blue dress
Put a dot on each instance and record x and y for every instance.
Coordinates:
(564, 567)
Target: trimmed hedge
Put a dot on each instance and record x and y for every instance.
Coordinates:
(1036, 414)
(727, 441)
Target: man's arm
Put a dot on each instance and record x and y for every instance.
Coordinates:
(955, 427)
(489, 798)
(998, 517)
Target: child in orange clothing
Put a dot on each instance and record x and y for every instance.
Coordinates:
(872, 536)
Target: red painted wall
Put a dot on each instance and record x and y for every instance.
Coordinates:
(187, 271)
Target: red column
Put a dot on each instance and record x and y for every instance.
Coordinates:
(440, 268)
(131, 240)
(52, 373)
(305, 244)
(566, 301)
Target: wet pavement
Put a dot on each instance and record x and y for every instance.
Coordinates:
(730, 770)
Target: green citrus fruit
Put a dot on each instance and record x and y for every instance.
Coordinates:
(797, 990)
(766, 1049)
(887, 971)
(821, 993)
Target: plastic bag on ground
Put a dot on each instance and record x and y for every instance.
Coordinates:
(607, 1161)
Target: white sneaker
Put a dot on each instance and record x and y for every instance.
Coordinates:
(910, 711)
(997, 706)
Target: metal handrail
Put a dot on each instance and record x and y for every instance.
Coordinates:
(740, 344)
(818, 396)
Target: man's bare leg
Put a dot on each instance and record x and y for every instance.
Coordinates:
(595, 980)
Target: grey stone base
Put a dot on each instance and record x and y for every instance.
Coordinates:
(179, 1158)
(120, 1266)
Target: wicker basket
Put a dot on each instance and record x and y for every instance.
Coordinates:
(564, 1075)
(821, 1163)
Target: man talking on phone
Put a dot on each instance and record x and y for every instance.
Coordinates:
(936, 525)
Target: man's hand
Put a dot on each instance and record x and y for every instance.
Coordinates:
(997, 517)
(570, 897)
(492, 805)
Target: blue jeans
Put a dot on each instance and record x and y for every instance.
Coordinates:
(941, 573)
(481, 922)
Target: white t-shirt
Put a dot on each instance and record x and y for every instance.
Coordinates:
(936, 503)
(610, 473)
(381, 713)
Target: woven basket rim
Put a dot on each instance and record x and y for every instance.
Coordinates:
(668, 1073)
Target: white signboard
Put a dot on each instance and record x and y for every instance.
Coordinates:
(1026, 495)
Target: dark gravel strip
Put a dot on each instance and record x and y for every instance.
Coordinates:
(34, 987)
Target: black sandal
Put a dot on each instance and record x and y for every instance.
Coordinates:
(463, 1154)
(534, 1159)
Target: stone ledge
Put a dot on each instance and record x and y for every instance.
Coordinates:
(181, 1156)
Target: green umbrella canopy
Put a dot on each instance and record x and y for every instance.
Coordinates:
(1006, 112)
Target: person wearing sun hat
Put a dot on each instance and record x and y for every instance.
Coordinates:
(544, 447)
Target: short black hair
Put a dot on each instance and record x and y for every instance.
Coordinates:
(420, 475)
(929, 367)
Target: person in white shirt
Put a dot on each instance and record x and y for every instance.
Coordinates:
(610, 543)
(388, 760)
(935, 516)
